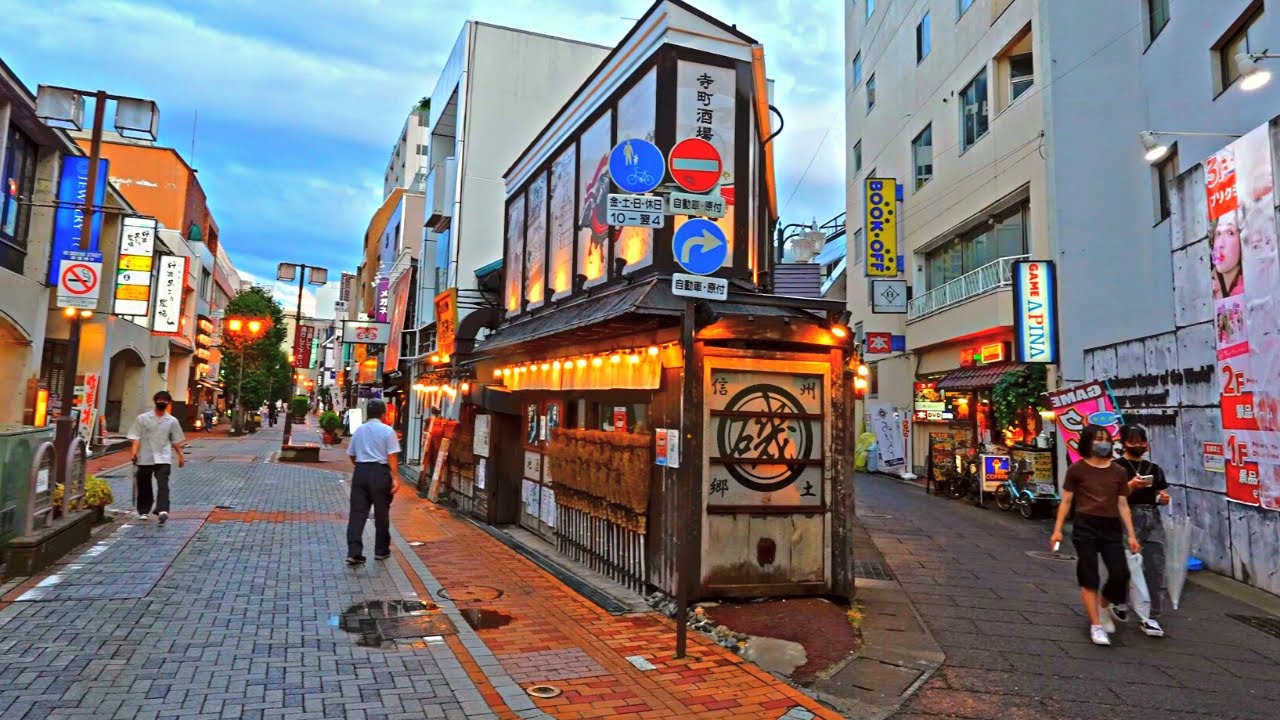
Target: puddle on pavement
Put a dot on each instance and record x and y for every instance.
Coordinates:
(484, 619)
(362, 620)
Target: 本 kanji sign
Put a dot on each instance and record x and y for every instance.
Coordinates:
(167, 319)
(447, 321)
(879, 343)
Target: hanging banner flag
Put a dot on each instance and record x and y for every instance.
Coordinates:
(133, 271)
(1245, 278)
(167, 318)
(1079, 406)
(381, 298)
(881, 195)
(304, 337)
(400, 302)
(1035, 312)
(447, 322)
(73, 186)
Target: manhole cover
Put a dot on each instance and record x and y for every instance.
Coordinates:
(543, 691)
(415, 626)
(875, 516)
(871, 570)
(470, 593)
(1043, 555)
(1266, 624)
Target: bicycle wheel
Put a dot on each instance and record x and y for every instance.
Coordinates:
(1028, 508)
(1004, 500)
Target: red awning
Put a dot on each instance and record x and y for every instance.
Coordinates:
(983, 377)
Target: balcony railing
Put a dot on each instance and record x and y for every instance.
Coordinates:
(992, 276)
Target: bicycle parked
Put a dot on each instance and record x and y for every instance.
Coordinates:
(1021, 491)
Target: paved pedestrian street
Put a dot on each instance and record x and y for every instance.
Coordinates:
(241, 607)
(1015, 635)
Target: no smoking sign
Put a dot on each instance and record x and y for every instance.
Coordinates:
(79, 283)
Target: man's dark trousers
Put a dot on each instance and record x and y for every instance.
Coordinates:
(145, 491)
(370, 488)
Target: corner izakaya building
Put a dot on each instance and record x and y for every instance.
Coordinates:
(579, 424)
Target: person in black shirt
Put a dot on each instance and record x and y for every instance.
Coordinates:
(1148, 489)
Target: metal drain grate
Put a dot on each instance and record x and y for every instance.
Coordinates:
(871, 570)
(1267, 624)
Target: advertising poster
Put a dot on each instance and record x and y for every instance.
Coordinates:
(446, 305)
(594, 185)
(305, 336)
(1244, 273)
(706, 101)
(886, 423)
(660, 451)
(73, 185)
(400, 302)
(637, 118)
(515, 255)
(167, 319)
(535, 245)
(1079, 406)
(480, 439)
(562, 190)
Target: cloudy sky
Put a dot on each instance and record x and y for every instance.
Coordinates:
(299, 102)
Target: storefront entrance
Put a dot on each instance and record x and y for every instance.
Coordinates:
(537, 494)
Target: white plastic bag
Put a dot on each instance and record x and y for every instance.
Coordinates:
(1139, 595)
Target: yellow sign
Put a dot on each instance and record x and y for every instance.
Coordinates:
(881, 227)
(133, 292)
(447, 322)
(135, 262)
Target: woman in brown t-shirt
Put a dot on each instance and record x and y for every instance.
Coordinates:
(1100, 489)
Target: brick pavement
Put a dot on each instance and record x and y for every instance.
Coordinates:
(1015, 634)
(240, 607)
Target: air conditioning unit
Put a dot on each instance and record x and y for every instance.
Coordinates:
(440, 192)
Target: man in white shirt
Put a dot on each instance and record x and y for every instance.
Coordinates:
(157, 438)
(373, 450)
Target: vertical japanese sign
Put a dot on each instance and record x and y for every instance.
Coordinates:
(303, 339)
(1035, 311)
(447, 322)
(68, 219)
(400, 295)
(637, 119)
(1245, 277)
(886, 423)
(515, 256)
(167, 318)
(535, 245)
(381, 300)
(562, 197)
(881, 227)
(767, 435)
(133, 271)
(1079, 406)
(706, 107)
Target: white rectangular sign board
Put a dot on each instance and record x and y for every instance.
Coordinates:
(711, 206)
(699, 286)
(636, 210)
(889, 296)
(79, 284)
(366, 333)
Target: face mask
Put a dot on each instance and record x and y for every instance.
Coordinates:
(161, 405)
(1136, 450)
(1102, 449)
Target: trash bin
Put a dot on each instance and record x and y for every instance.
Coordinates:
(18, 445)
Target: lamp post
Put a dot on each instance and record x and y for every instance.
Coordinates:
(244, 330)
(62, 107)
(286, 272)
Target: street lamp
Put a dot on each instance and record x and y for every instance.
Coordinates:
(1154, 150)
(1252, 75)
(244, 331)
(286, 272)
(62, 107)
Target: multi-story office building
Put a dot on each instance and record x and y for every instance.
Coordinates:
(410, 153)
(1013, 128)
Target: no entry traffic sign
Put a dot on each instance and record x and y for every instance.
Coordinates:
(695, 164)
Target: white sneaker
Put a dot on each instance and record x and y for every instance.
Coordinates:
(1104, 616)
(1098, 635)
(142, 516)
(164, 517)
(1152, 628)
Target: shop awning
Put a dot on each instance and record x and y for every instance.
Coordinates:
(983, 377)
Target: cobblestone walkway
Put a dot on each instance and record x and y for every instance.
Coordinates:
(1015, 634)
(240, 607)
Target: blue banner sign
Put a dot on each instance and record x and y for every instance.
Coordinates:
(73, 184)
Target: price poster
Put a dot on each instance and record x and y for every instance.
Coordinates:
(1245, 275)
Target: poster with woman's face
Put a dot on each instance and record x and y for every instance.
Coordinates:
(531, 424)
(593, 221)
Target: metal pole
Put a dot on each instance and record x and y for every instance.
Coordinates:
(239, 402)
(65, 425)
(297, 330)
(689, 482)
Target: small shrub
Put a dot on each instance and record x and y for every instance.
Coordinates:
(330, 421)
(299, 406)
(97, 492)
(855, 616)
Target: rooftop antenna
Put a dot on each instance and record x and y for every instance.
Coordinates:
(195, 115)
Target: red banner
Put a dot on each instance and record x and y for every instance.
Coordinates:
(305, 335)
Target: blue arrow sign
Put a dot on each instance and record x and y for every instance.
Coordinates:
(636, 166)
(700, 246)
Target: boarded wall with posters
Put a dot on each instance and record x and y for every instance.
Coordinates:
(1215, 379)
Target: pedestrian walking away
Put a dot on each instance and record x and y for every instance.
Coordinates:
(157, 438)
(1100, 490)
(373, 450)
(271, 414)
(1148, 490)
(206, 414)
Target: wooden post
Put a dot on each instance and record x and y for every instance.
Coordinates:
(689, 481)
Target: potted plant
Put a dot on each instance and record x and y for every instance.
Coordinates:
(299, 408)
(97, 496)
(330, 423)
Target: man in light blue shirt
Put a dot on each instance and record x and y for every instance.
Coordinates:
(374, 482)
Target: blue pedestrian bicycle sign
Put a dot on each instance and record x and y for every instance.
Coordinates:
(700, 246)
(636, 166)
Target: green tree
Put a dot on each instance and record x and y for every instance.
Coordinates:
(267, 374)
